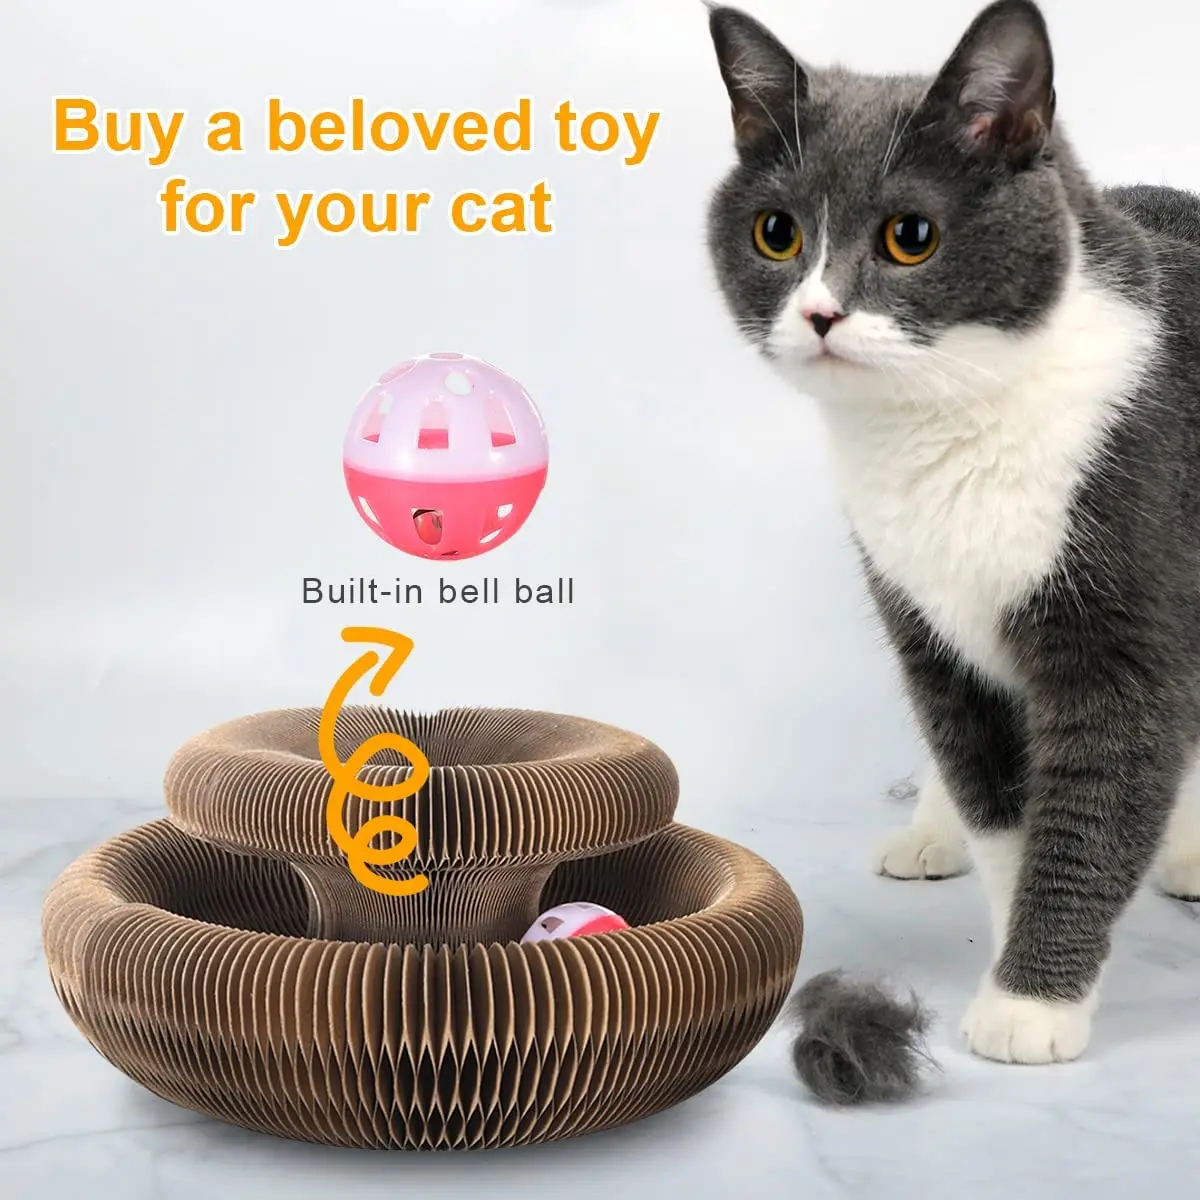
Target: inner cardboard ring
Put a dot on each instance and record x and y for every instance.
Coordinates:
(472, 904)
(508, 788)
(656, 880)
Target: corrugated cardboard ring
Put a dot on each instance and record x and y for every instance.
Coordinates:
(511, 794)
(185, 965)
(507, 785)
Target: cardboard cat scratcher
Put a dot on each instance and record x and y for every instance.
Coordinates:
(225, 958)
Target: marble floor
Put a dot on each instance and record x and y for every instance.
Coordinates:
(1122, 1122)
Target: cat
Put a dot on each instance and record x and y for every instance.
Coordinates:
(1006, 357)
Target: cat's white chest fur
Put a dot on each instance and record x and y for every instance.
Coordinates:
(961, 494)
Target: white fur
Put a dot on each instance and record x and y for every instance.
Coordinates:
(1020, 1029)
(933, 845)
(958, 462)
(813, 294)
(997, 859)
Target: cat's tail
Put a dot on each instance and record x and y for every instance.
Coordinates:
(857, 1042)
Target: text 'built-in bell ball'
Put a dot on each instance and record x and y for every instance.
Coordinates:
(445, 456)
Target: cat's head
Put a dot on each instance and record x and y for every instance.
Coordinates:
(885, 235)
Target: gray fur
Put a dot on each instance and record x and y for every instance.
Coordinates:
(1089, 753)
(875, 142)
(856, 1042)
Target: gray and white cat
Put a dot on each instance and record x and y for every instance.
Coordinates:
(1007, 358)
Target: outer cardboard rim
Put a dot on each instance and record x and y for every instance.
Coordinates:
(391, 1046)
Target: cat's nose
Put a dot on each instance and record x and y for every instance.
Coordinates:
(824, 321)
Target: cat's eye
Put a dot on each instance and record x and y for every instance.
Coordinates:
(908, 239)
(777, 236)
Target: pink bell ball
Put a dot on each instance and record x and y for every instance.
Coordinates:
(577, 919)
(445, 456)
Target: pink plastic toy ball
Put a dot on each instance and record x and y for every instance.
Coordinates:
(574, 920)
(446, 456)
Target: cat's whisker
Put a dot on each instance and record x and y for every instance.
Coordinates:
(796, 110)
(938, 399)
(887, 154)
(889, 158)
(950, 392)
(743, 77)
(971, 403)
(757, 330)
(754, 324)
(956, 387)
(959, 361)
(899, 383)
(925, 361)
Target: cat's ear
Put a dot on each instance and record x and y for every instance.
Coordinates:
(998, 85)
(761, 75)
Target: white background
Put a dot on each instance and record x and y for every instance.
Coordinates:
(171, 413)
(173, 407)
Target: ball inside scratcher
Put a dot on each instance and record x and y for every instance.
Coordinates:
(857, 1042)
(575, 919)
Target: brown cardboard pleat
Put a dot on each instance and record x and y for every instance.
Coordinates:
(225, 958)
(511, 794)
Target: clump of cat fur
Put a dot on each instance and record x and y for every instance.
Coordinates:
(858, 1043)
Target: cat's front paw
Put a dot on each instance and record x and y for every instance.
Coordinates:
(1020, 1029)
(920, 852)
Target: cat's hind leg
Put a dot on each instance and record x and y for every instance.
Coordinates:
(933, 845)
(1177, 869)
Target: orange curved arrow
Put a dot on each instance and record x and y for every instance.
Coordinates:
(360, 854)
